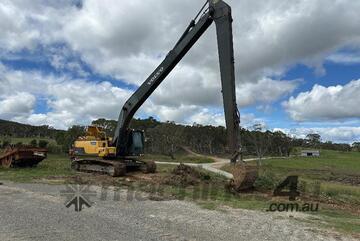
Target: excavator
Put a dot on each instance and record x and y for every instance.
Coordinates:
(96, 152)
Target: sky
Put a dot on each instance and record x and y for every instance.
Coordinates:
(69, 62)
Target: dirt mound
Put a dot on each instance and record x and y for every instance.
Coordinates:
(184, 175)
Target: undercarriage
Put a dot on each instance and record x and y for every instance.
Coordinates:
(114, 168)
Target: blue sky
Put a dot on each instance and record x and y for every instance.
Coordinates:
(70, 62)
(336, 74)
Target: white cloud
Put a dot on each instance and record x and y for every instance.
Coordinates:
(87, 100)
(77, 101)
(268, 34)
(268, 37)
(264, 91)
(59, 120)
(326, 103)
(179, 114)
(285, 32)
(71, 101)
(345, 58)
(187, 86)
(205, 117)
(61, 59)
(340, 134)
(18, 104)
(27, 24)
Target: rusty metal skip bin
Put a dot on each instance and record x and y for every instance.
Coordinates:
(22, 156)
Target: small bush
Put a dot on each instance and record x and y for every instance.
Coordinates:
(19, 144)
(33, 142)
(330, 193)
(54, 149)
(65, 149)
(266, 181)
(6, 143)
(43, 143)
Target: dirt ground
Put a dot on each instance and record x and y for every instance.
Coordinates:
(181, 175)
(39, 213)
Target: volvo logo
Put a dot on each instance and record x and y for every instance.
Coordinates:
(155, 76)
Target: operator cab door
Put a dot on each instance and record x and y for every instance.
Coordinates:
(136, 147)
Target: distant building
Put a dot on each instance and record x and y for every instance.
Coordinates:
(310, 153)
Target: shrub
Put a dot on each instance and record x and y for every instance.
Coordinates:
(43, 143)
(33, 143)
(19, 144)
(266, 181)
(54, 149)
(6, 142)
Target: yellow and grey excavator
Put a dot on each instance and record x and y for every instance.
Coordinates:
(115, 155)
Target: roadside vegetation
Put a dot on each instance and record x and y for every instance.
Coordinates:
(42, 142)
(54, 166)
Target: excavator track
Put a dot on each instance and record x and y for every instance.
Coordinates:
(112, 168)
(22, 156)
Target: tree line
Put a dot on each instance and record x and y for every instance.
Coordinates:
(13, 129)
(168, 138)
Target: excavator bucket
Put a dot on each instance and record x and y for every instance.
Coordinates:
(244, 177)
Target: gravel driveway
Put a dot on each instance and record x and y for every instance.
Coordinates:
(37, 212)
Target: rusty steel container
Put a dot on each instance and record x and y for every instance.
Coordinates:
(23, 156)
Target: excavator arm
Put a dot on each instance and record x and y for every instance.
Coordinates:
(220, 13)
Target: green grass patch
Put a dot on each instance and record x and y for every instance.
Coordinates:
(340, 220)
(329, 162)
(52, 166)
(341, 193)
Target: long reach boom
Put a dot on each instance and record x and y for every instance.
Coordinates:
(214, 11)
